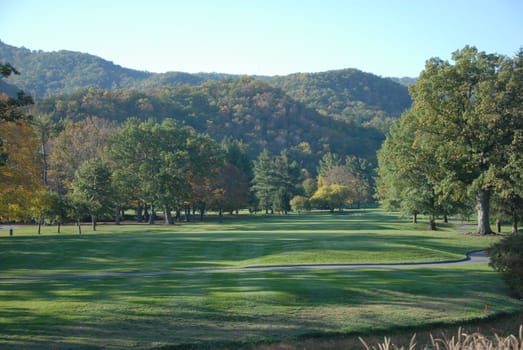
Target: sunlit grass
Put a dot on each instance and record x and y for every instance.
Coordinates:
(215, 308)
(358, 237)
(124, 312)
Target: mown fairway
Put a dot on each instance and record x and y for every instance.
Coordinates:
(213, 308)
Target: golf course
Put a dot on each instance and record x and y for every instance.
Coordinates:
(200, 285)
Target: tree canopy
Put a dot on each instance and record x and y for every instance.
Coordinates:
(461, 136)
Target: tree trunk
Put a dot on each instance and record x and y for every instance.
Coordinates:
(117, 217)
(498, 226)
(432, 224)
(39, 226)
(93, 220)
(514, 223)
(79, 227)
(44, 160)
(59, 228)
(151, 216)
(168, 218)
(414, 218)
(146, 216)
(139, 213)
(483, 208)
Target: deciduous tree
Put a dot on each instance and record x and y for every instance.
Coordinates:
(20, 175)
(92, 190)
(11, 107)
(467, 124)
(76, 143)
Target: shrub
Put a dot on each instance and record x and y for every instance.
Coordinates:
(300, 203)
(506, 256)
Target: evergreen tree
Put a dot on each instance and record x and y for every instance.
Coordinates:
(275, 180)
(263, 181)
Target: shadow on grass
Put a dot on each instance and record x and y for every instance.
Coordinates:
(242, 307)
(221, 307)
(161, 251)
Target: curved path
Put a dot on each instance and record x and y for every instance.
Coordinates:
(474, 257)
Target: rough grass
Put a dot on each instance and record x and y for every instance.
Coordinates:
(460, 341)
(210, 310)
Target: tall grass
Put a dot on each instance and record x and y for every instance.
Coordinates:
(462, 341)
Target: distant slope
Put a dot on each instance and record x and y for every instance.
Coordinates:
(405, 80)
(9, 89)
(245, 109)
(46, 74)
(344, 111)
(347, 94)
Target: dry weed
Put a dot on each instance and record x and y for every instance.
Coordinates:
(461, 341)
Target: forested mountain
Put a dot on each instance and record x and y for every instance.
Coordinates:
(244, 109)
(9, 89)
(405, 80)
(347, 94)
(48, 74)
(53, 73)
(344, 111)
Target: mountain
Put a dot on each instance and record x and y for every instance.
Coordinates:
(245, 109)
(7, 88)
(342, 94)
(407, 81)
(347, 94)
(45, 74)
(342, 111)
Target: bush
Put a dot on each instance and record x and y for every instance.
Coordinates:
(506, 256)
(300, 203)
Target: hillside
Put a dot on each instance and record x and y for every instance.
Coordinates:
(343, 111)
(347, 94)
(245, 109)
(47, 74)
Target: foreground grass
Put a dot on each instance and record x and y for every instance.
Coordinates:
(247, 307)
(491, 333)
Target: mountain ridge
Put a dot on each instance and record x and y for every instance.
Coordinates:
(344, 111)
(21, 57)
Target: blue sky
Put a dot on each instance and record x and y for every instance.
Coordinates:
(265, 37)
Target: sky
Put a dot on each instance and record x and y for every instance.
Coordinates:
(390, 38)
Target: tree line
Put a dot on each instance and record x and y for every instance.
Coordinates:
(94, 168)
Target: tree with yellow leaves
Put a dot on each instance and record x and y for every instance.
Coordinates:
(20, 183)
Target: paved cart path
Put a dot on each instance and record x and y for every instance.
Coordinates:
(475, 257)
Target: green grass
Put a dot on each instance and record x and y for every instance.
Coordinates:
(213, 308)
